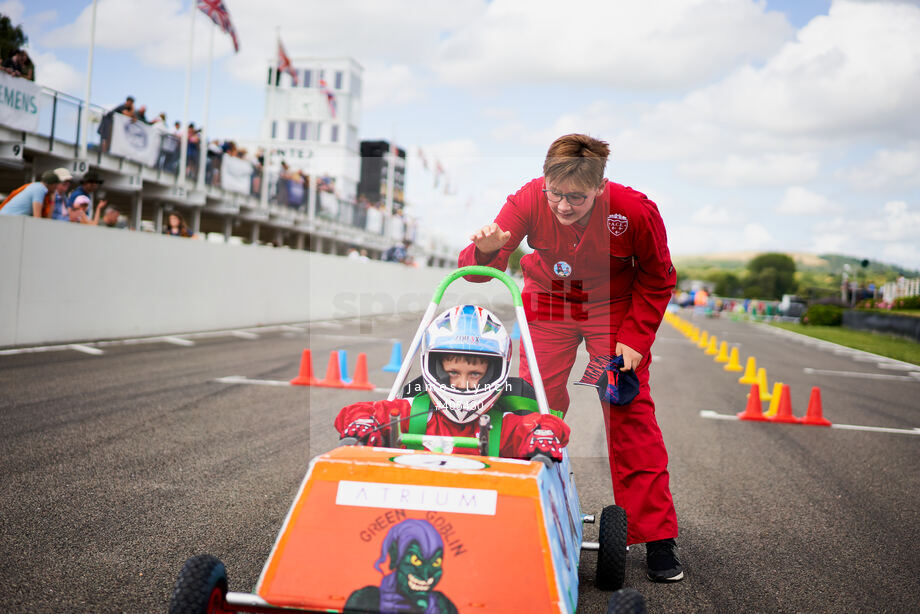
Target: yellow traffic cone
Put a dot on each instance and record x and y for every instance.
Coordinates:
(750, 372)
(762, 383)
(704, 339)
(722, 356)
(774, 401)
(694, 334)
(711, 348)
(733, 363)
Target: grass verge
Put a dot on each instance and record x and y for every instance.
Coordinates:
(877, 343)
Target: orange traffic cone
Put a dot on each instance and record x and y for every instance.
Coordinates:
(704, 339)
(360, 382)
(733, 363)
(305, 377)
(773, 409)
(333, 377)
(814, 416)
(722, 356)
(784, 409)
(753, 411)
(711, 349)
(750, 372)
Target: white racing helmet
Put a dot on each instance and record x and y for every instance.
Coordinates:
(465, 329)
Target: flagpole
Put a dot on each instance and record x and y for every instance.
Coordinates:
(206, 126)
(183, 147)
(84, 117)
(391, 180)
(266, 149)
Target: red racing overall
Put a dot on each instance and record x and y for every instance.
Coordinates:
(607, 282)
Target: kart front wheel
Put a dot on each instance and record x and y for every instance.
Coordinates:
(626, 601)
(201, 587)
(611, 555)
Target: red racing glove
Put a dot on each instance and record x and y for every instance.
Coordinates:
(545, 434)
(363, 420)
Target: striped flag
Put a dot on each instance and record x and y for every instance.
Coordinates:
(217, 11)
(330, 97)
(284, 63)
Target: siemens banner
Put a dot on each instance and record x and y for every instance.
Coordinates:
(19, 103)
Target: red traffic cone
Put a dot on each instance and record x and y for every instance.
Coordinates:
(753, 411)
(333, 377)
(784, 411)
(305, 377)
(360, 382)
(814, 416)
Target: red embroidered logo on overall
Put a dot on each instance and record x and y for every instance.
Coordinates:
(617, 224)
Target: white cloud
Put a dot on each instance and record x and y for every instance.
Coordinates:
(650, 44)
(13, 9)
(893, 228)
(59, 75)
(888, 169)
(802, 201)
(849, 77)
(391, 85)
(764, 170)
(710, 215)
(757, 236)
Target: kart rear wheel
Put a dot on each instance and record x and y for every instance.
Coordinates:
(626, 601)
(201, 587)
(611, 555)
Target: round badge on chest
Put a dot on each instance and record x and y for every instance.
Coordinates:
(562, 268)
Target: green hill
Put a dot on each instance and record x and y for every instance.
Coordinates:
(819, 265)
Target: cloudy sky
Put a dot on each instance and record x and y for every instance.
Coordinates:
(787, 125)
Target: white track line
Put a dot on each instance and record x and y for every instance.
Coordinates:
(79, 347)
(708, 413)
(859, 374)
(178, 341)
(242, 334)
(240, 379)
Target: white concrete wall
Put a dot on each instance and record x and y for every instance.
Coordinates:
(62, 282)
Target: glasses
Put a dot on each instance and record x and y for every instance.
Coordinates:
(573, 198)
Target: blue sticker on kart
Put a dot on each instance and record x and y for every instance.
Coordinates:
(562, 268)
(563, 522)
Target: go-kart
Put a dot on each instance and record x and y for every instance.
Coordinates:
(373, 527)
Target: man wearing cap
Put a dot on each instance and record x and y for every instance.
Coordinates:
(59, 199)
(88, 186)
(30, 198)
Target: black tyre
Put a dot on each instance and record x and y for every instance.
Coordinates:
(611, 556)
(626, 601)
(200, 587)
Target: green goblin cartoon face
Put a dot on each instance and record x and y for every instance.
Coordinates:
(416, 575)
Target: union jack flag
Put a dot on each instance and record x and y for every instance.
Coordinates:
(217, 11)
(330, 97)
(284, 63)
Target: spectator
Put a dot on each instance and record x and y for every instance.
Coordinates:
(397, 253)
(159, 122)
(77, 212)
(29, 199)
(19, 65)
(105, 126)
(111, 218)
(90, 182)
(191, 152)
(59, 200)
(141, 114)
(176, 226)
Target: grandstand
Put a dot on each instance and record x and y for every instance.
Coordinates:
(141, 179)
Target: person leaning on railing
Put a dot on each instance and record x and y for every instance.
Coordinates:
(30, 199)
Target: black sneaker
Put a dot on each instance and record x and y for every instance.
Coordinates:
(662, 561)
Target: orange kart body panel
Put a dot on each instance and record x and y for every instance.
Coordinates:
(507, 545)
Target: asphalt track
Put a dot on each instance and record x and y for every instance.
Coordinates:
(118, 466)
